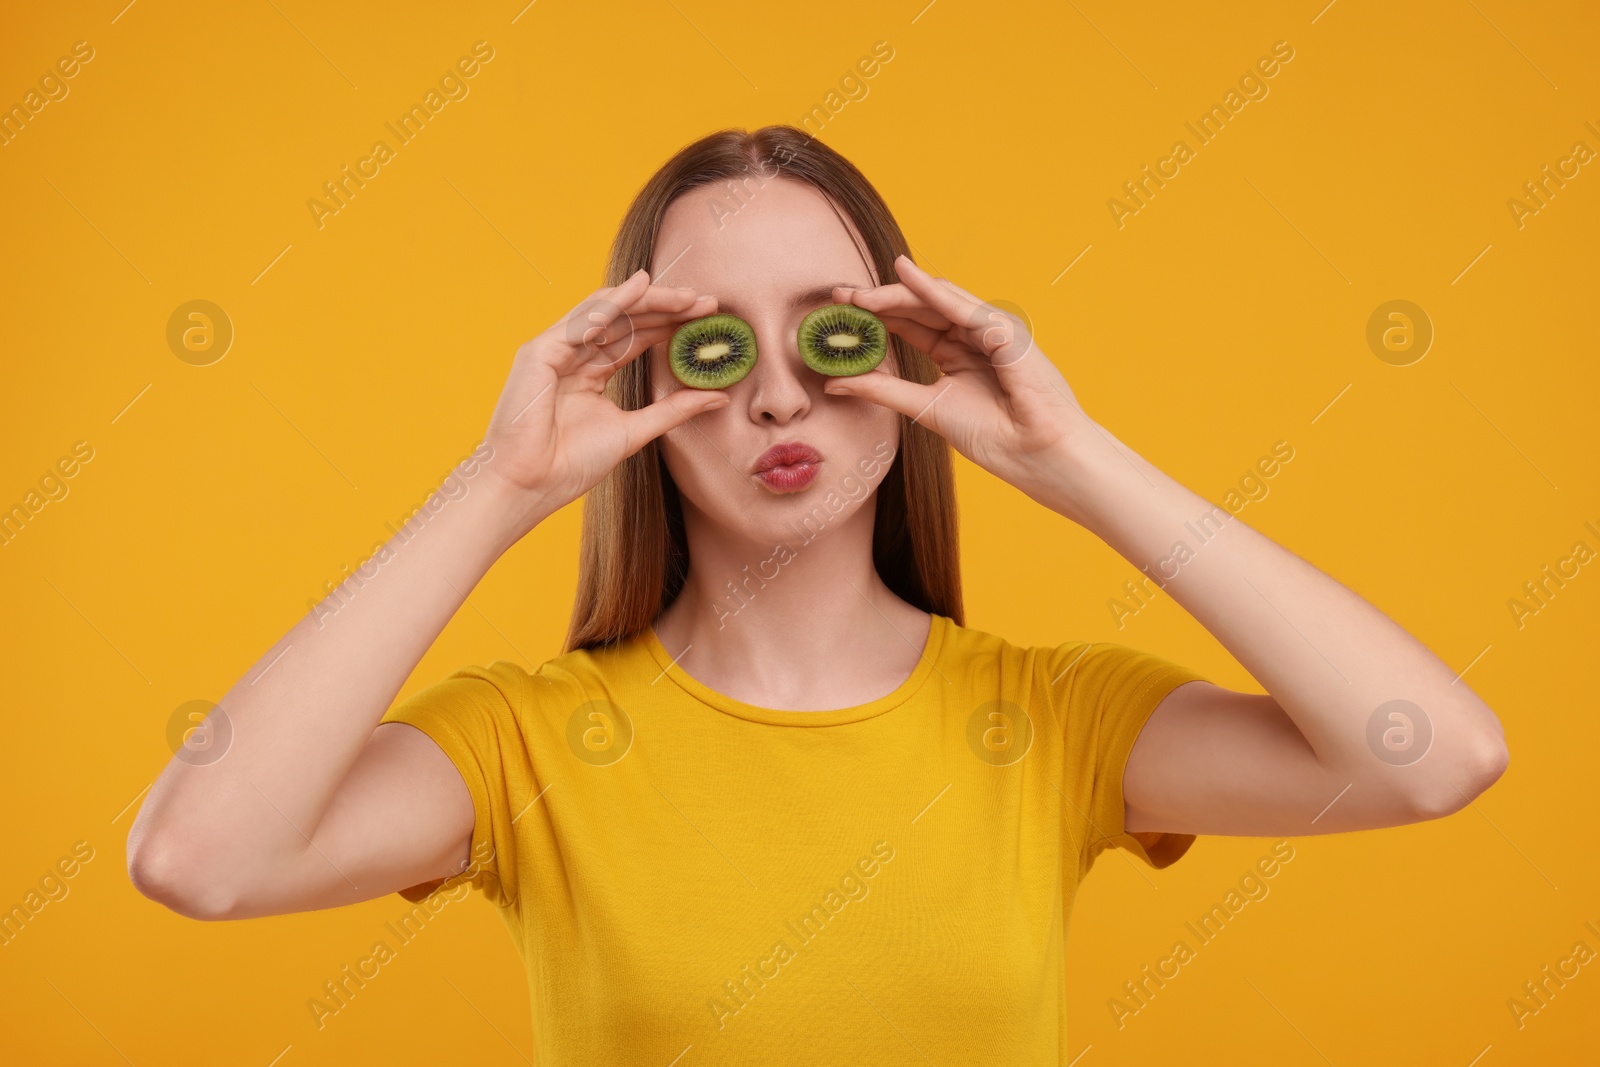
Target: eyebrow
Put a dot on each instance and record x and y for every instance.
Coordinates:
(821, 294)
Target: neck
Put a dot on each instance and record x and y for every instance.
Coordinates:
(801, 622)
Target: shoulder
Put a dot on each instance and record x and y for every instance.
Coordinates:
(993, 652)
(556, 681)
(617, 661)
(970, 644)
(566, 681)
(1011, 664)
(1061, 673)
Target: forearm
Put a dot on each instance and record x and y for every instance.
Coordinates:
(300, 716)
(1328, 657)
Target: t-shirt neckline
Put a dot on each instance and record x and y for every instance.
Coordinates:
(937, 632)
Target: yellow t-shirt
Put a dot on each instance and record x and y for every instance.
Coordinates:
(888, 883)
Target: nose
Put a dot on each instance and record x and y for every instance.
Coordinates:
(781, 390)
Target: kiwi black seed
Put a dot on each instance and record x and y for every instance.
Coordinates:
(842, 339)
(713, 352)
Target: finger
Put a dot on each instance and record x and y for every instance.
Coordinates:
(911, 399)
(998, 336)
(631, 287)
(608, 358)
(600, 340)
(914, 310)
(1001, 336)
(905, 313)
(621, 330)
(665, 298)
(599, 327)
(890, 294)
(969, 295)
(896, 298)
(602, 305)
(917, 335)
(942, 298)
(658, 318)
(674, 409)
(946, 349)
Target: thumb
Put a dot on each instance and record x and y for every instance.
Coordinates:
(909, 398)
(672, 410)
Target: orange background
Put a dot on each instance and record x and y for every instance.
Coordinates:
(1227, 314)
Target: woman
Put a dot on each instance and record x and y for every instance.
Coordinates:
(775, 802)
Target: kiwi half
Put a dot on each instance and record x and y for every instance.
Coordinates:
(713, 352)
(842, 339)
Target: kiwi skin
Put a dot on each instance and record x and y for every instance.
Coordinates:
(840, 319)
(722, 371)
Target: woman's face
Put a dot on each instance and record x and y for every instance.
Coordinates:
(769, 260)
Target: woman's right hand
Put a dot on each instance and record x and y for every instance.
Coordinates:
(554, 431)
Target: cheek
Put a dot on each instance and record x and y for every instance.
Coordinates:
(870, 424)
(696, 455)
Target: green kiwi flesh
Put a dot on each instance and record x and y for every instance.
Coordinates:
(712, 352)
(842, 339)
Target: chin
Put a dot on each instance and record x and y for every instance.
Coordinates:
(800, 517)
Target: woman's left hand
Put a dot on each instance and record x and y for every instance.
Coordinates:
(1000, 402)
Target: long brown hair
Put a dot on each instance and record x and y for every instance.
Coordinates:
(633, 554)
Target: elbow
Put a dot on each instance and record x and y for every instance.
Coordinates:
(1494, 757)
(165, 871)
(1478, 769)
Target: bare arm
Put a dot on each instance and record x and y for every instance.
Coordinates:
(214, 836)
(314, 803)
(1354, 703)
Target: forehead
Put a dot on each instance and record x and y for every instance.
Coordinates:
(770, 238)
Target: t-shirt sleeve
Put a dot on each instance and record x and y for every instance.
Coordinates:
(474, 716)
(1104, 693)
